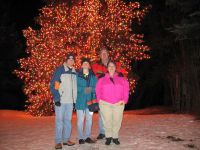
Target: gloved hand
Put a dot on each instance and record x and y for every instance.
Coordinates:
(58, 103)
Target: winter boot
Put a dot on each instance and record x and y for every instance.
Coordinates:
(116, 141)
(108, 141)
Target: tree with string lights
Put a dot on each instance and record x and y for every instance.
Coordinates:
(82, 28)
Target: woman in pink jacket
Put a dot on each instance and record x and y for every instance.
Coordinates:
(112, 94)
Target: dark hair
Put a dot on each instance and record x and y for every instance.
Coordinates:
(112, 63)
(103, 48)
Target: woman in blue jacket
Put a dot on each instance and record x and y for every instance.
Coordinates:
(86, 82)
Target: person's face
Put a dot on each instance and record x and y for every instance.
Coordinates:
(111, 68)
(104, 54)
(86, 65)
(70, 61)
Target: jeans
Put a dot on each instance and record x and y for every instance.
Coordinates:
(101, 126)
(81, 115)
(63, 122)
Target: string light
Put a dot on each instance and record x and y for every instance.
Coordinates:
(81, 29)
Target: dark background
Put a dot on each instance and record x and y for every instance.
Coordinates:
(15, 15)
(170, 30)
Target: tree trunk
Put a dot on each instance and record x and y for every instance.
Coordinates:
(184, 77)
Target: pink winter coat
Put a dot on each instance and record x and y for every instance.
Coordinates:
(111, 92)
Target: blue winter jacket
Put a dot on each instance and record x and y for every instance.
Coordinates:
(82, 83)
(67, 91)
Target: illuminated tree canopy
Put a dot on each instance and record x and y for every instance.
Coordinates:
(81, 28)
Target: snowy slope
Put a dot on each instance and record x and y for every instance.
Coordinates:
(140, 131)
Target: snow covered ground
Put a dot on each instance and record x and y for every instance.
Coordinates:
(141, 130)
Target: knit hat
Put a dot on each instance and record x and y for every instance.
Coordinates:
(70, 56)
(85, 60)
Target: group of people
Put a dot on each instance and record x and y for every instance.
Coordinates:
(103, 81)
